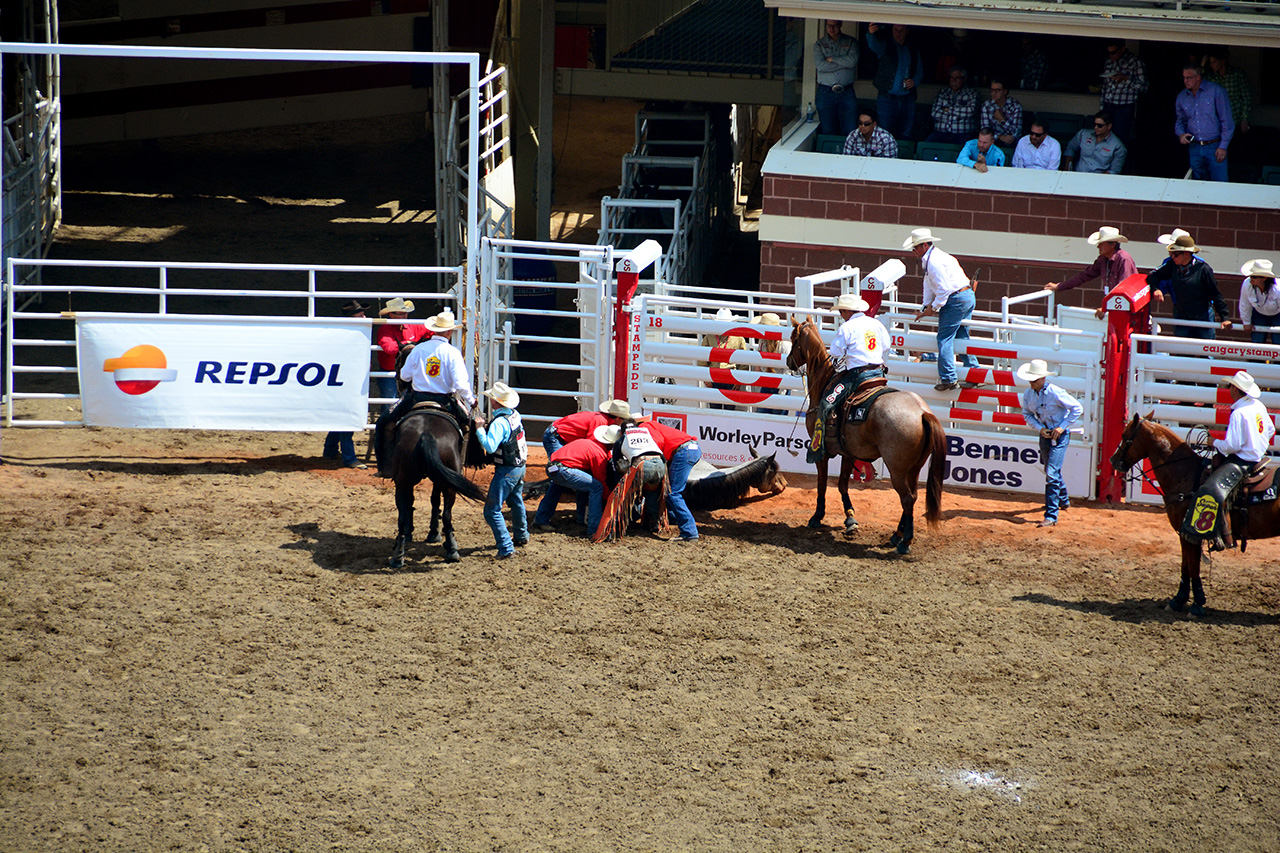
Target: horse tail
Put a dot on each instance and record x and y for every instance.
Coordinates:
(438, 472)
(936, 440)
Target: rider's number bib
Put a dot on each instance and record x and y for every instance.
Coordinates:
(638, 443)
(1204, 514)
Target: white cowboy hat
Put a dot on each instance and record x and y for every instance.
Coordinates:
(504, 395)
(918, 236)
(1166, 239)
(768, 318)
(724, 314)
(1035, 369)
(850, 302)
(1183, 243)
(1107, 234)
(442, 322)
(607, 434)
(616, 408)
(397, 305)
(1244, 382)
(1258, 266)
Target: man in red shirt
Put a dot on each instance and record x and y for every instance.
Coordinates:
(389, 338)
(681, 452)
(567, 430)
(581, 466)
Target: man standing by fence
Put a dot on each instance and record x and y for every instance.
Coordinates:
(948, 293)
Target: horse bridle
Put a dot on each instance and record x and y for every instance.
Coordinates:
(1128, 477)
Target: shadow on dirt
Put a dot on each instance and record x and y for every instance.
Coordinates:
(1139, 610)
(180, 465)
(334, 551)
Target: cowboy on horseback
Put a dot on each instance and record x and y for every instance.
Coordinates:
(858, 354)
(1248, 437)
(439, 374)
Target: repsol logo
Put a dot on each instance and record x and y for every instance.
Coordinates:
(960, 470)
(766, 438)
(266, 373)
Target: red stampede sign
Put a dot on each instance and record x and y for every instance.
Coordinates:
(724, 375)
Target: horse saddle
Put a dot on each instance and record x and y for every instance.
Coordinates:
(431, 407)
(1219, 507)
(1260, 486)
(856, 408)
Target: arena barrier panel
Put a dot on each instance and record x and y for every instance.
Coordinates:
(1178, 380)
(756, 403)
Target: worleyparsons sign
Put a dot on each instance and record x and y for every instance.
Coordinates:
(178, 372)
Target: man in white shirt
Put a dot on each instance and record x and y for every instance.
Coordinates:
(438, 373)
(1038, 150)
(948, 293)
(858, 354)
(1248, 438)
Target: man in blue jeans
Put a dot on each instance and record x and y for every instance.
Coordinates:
(948, 293)
(1052, 411)
(504, 438)
(582, 467)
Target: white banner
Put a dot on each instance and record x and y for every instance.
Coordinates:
(237, 373)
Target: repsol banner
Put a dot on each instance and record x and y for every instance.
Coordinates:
(172, 372)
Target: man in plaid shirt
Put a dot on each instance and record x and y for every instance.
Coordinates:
(1002, 114)
(869, 139)
(1124, 79)
(1239, 92)
(955, 112)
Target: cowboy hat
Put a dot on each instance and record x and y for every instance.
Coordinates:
(616, 408)
(1035, 369)
(768, 318)
(1107, 234)
(850, 302)
(1183, 243)
(503, 394)
(442, 322)
(354, 307)
(724, 314)
(1166, 239)
(398, 306)
(1258, 266)
(918, 236)
(1244, 382)
(607, 433)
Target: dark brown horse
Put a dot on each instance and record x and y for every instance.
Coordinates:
(1179, 470)
(900, 429)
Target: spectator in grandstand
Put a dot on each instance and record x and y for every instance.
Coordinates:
(580, 466)
(1002, 113)
(569, 429)
(1193, 288)
(722, 342)
(955, 110)
(1260, 301)
(899, 68)
(389, 338)
(1239, 92)
(339, 445)
(869, 139)
(1112, 266)
(1097, 150)
(1124, 80)
(836, 57)
(780, 348)
(948, 293)
(982, 152)
(1203, 124)
(504, 438)
(1034, 66)
(1052, 411)
(1037, 150)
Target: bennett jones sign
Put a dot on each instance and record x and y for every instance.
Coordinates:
(184, 373)
(1005, 462)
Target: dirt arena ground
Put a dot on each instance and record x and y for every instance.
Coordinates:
(206, 651)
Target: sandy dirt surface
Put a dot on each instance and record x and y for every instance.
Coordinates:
(205, 650)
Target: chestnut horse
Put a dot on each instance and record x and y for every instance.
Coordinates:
(899, 429)
(1180, 470)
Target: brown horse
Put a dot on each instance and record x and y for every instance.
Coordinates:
(1180, 470)
(899, 429)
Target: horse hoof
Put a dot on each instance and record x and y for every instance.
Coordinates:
(452, 557)
(396, 563)
(1197, 610)
(1177, 606)
(895, 540)
(903, 547)
(433, 539)
(815, 523)
(850, 524)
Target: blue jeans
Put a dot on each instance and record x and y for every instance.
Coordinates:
(579, 482)
(1052, 453)
(386, 386)
(551, 441)
(897, 114)
(506, 487)
(837, 111)
(1204, 165)
(1264, 327)
(958, 307)
(678, 468)
(340, 444)
(1198, 332)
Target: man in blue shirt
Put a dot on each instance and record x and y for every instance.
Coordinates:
(1052, 411)
(504, 438)
(899, 70)
(982, 152)
(1204, 124)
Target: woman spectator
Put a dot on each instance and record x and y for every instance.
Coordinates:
(1260, 301)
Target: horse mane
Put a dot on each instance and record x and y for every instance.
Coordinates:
(820, 366)
(725, 489)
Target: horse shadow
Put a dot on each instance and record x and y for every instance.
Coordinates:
(184, 465)
(1136, 611)
(800, 540)
(346, 553)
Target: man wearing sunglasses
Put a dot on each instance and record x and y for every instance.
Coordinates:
(1037, 150)
(1097, 150)
(870, 139)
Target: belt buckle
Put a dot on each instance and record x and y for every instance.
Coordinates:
(837, 88)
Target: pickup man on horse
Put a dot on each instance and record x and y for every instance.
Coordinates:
(439, 374)
(1249, 434)
(857, 353)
